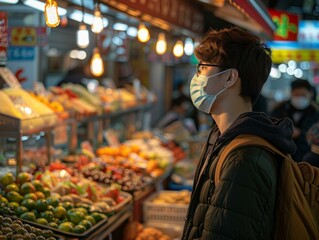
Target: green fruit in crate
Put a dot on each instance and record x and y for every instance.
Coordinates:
(28, 216)
(66, 226)
(13, 205)
(91, 219)
(67, 205)
(97, 216)
(76, 216)
(87, 224)
(23, 177)
(81, 209)
(14, 197)
(48, 215)
(42, 221)
(41, 205)
(28, 203)
(20, 210)
(46, 191)
(53, 224)
(53, 201)
(79, 229)
(40, 195)
(12, 188)
(31, 196)
(3, 200)
(38, 185)
(26, 188)
(6, 179)
(59, 212)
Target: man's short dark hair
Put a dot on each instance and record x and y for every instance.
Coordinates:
(301, 83)
(239, 49)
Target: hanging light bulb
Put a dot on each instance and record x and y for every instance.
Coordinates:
(188, 46)
(97, 25)
(96, 66)
(82, 36)
(161, 44)
(178, 49)
(143, 34)
(52, 18)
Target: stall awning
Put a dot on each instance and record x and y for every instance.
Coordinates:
(249, 14)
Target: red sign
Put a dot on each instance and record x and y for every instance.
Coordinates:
(28, 36)
(287, 25)
(181, 13)
(3, 36)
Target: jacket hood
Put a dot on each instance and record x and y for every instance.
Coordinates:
(276, 131)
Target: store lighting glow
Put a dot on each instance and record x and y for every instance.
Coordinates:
(77, 15)
(117, 41)
(275, 73)
(178, 49)
(132, 31)
(77, 54)
(189, 46)
(82, 36)
(292, 64)
(97, 25)
(282, 68)
(305, 65)
(40, 6)
(161, 44)
(120, 26)
(298, 73)
(52, 18)
(9, 1)
(96, 66)
(290, 71)
(143, 35)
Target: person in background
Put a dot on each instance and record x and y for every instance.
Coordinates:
(233, 67)
(312, 156)
(302, 111)
(77, 75)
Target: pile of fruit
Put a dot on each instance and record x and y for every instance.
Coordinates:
(29, 200)
(173, 197)
(15, 230)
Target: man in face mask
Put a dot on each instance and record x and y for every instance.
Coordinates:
(302, 111)
(233, 66)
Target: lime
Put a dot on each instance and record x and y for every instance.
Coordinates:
(28, 216)
(23, 177)
(42, 221)
(59, 212)
(31, 196)
(41, 205)
(66, 226)
(38, 185)
(76, 216)
(53, 201)
(3, 200)
(6, 179)
(91, 219)
(79, 229)
(14, 197)
(67, 205)
(40, 195)
(48, 215)
(27, 187)
(87, 224)
(12, 187)
(46, 191)
(13, 205)
(20, 210)
(28, 203)
(50, 208)
(81, 209)
(53, 224)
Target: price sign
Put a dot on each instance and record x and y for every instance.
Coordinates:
(9, 78)
(112, 138)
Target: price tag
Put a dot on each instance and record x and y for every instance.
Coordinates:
(9, 78)
(39, 89)
(112, 138)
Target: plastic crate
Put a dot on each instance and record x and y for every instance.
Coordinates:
(164, 212)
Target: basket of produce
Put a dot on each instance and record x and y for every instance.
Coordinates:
(168, 207)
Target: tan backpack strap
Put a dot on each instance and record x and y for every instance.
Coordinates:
(239, 141)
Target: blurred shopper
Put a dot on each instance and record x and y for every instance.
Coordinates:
(233, 66)
(77, 75)
(302, 111)
(312, 156)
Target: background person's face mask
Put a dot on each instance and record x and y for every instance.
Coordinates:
(202, 100)
(300, 102)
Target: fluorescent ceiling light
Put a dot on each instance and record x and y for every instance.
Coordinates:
(9, 1)
(120, 26)
(132, 31)
(77, 15)
(40, 6)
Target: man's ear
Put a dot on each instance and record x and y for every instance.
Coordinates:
(233, 76)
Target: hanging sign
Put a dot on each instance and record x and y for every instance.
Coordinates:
(287, 25)
(3, 36)
(181, 13)
(28, 36)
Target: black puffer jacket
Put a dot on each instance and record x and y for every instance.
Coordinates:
(242, 205)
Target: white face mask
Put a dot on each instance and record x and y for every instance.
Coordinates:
(300, 102)
(200, 98)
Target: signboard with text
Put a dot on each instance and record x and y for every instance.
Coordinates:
(28, 36)
(308, 33)
(287, 25)
(3, 36)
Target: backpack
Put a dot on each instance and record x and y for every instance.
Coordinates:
(297, 201)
